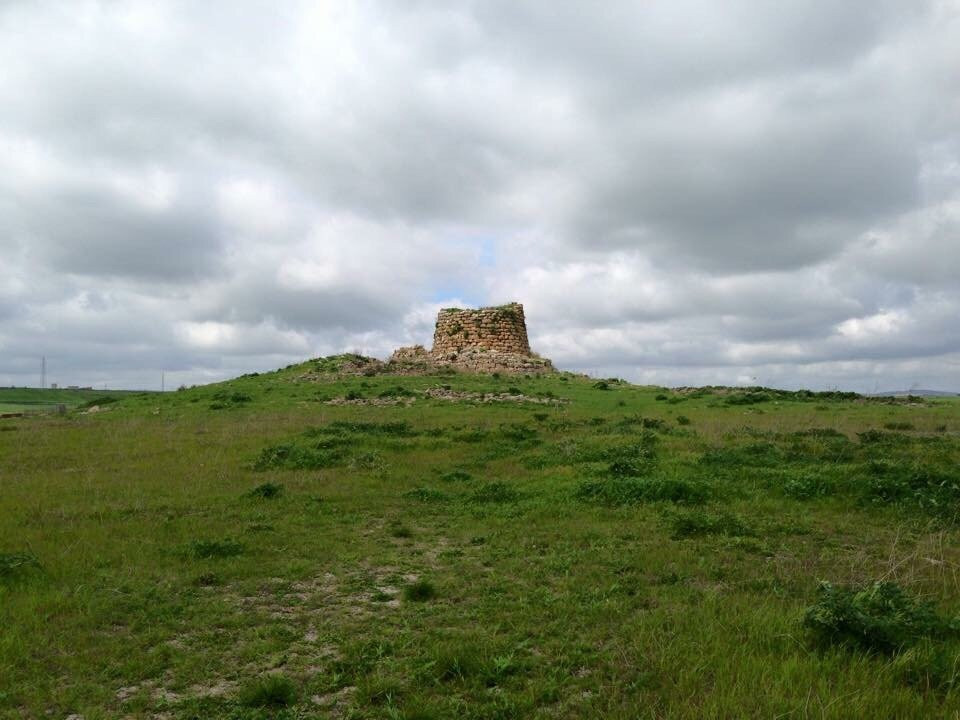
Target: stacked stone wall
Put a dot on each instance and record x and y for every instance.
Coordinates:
(497, 329)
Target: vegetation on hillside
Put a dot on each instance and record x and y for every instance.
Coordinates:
(305, 543)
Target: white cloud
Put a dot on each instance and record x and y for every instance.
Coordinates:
(678, 194)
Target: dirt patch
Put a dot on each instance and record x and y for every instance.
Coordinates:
(335, 700)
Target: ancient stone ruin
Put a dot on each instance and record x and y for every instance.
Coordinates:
(500, 329)
(491, 339)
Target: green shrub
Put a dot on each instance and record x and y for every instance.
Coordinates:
(294, 457)
(627, 460)
(465, 661)
(451, 663)
(397, 391)
(206, 549)
(517, 432)
(629, 491)
(17, 566)
(471, 436)
(456, 476)
(683, 420)
(100, 401)
(928, 666)
(820, 433)
(806, 487)
(879, 617)
(272, 691)
(225, 399)
(933, 490)
(898, 426)
(424, 494)
(419, 591)
(699, 523)
(629, 467)
(748, 398)
(601, 385)
(368, 460)
(379, 691)
(395, 429)
(880, 437)
(267, 491)
(494, 492)
(760, 454)
(399, 530)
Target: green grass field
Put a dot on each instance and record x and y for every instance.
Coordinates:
(32, 400)
(248, 550)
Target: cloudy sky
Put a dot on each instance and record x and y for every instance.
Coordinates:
(680, 192)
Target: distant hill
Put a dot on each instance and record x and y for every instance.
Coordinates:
(917, 393)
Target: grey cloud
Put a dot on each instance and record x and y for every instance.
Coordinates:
(724, 191)
(86, 233)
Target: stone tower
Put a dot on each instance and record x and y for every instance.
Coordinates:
(497, 329)
(491, 339)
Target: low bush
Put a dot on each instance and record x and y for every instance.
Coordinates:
(467, 661)
(368, 460)
(928, 665)
(494, 492)
(267, 491)
(224, 399)
(99, 401)
(395, 429)
(699, 523)
(881, 437)
(471, 436)
(880, 617)
(933, 490)
(376, 690)
(17, 566)
(419, 591)
(397, 391)
(807, 487)
(424, 494)
(295, 457)
(747, 398)
(760, 454)
(820, 433)
(517, 432)
(399, 530)
(272, 691)
(207, 549)
(630, 491)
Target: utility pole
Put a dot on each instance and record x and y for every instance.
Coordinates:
(43, 372)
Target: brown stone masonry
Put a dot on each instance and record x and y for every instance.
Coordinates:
(487, 340)
(497, 329)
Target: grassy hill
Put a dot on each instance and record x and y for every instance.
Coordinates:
(303, 544)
